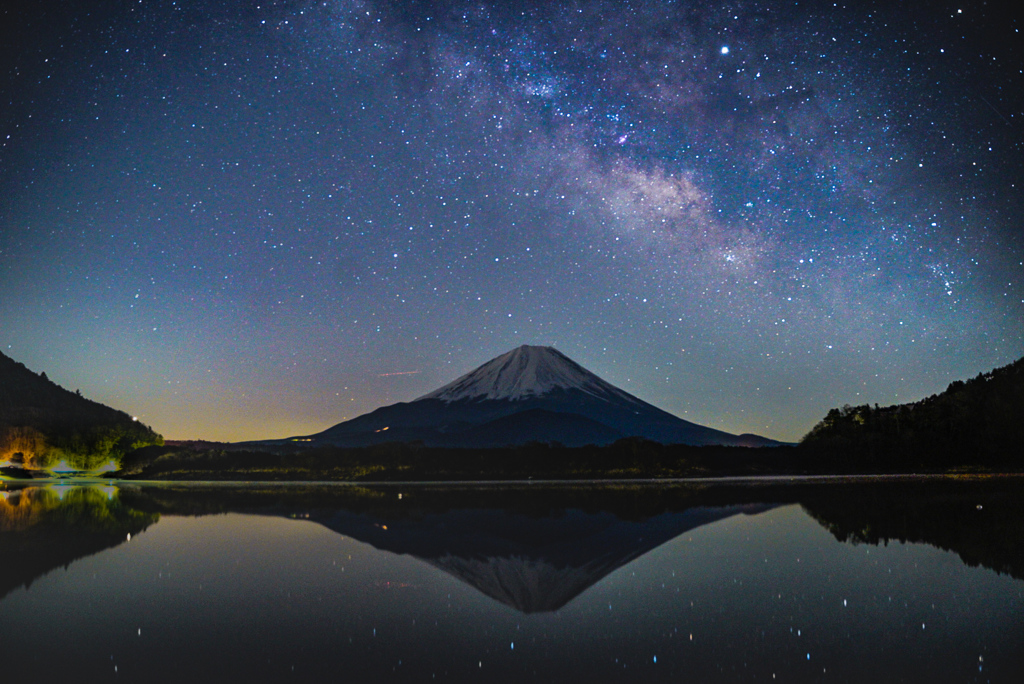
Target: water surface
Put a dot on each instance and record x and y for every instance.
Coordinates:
(831, 582)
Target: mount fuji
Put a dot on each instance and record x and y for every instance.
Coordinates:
(529, 394)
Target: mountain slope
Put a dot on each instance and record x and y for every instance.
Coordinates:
(45, 423)
(527, 394)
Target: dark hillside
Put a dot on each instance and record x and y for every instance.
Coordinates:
(978, 421)
(42, 423)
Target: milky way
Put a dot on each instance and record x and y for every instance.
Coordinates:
(241, 221)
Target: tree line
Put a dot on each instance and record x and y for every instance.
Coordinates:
(978, 421)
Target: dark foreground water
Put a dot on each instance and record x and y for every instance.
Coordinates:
(915, 582)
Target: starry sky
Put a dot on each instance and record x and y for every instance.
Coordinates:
(242, 220)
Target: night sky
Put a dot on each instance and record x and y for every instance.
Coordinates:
(245, 220)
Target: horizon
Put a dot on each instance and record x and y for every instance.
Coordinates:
(242, 223)
(453, 382)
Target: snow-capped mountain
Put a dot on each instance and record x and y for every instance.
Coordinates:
(526, 372)
(530, 394)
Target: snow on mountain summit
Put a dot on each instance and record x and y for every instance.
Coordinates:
(529, 394)
(524, 372)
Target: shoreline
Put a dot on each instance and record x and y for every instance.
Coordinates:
(751, 480)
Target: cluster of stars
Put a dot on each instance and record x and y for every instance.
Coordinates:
(312, 196)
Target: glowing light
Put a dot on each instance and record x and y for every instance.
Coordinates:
(725, 49)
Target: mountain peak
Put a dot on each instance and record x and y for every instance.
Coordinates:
(529, 393)
(524, 372)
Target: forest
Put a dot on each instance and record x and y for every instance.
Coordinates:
(978, 421)
(42, 424)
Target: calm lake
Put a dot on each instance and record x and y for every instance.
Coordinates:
(912, 581)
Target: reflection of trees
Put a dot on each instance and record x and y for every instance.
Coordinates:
(981, 521)
(45, 528)
(625, 501)
(531, 547)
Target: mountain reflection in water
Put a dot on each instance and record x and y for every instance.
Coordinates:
(533, 564)
(534, 549)
(657, 583)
